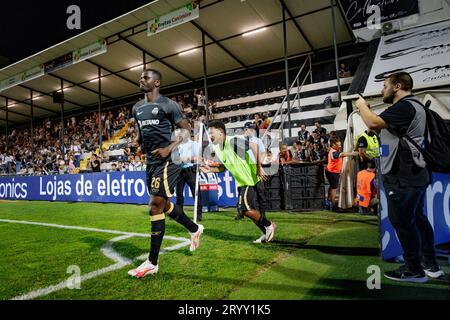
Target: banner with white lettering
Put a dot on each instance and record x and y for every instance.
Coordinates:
(117, 187)
(437, 208)
(92, 50)
(423, 52)
(359, 12)
(172, 19)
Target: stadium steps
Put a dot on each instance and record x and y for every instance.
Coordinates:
(105, 145)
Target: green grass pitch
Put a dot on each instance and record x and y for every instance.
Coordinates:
(315, 255)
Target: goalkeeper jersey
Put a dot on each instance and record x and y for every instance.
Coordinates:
(236, 158)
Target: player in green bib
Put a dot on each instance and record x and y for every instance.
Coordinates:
(234, 154)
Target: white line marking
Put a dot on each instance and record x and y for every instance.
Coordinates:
(52, 225)
(106, 249)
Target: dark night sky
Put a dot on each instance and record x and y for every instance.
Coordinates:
(27, 27)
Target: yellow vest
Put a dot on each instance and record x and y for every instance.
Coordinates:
(373, 147)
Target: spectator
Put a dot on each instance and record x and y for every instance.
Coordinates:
(303, 152)
(71, 165)
(333, 170)
(269, 159)
(201, 103)
(257, 120)
(322, 132)
(344, 71)
(250, 133)
(195, 101)
(285, 155)
(114, 167)
(187, 100)
(95, 163)
(366, 190)
(303, 134)
(317, 154)
(265, 121)
(315, 138)
(76, 149)
(211, 106)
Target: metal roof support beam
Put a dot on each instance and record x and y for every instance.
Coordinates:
(48, 95)
(9, 121)
(205, 77)
(62, 118)
(144, 61)
(299, 29)
(286, 73)
(112, 72)
(336, 55)
(80, 86)
(156, 58)
(31, 126)
(14, 112)
(100, 137)
(220, 45)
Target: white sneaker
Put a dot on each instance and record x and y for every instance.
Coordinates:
(261, 239)
(144, 269)
(195, 238)
(270, 232)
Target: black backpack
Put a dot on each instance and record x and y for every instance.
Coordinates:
(437, 148)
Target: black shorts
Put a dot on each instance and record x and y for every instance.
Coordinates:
(248, 196)
(163, 178)
(333, 179)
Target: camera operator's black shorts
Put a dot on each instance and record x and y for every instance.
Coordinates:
(162, 178)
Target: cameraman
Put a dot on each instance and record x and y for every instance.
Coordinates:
(405, 176)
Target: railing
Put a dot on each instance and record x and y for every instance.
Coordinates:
(286, 103)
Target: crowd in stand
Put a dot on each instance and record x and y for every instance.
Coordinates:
(50, 155)
(194, 106)
(81, 139)
(309, 147)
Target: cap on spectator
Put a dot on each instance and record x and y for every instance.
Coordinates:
(249, 125)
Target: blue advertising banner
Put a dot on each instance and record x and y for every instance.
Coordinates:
(437, 207)
(116, 187)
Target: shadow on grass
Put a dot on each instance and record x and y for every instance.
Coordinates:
(357, 289)
(344, 251)
(222, 235)
(234, 282)
(366, 222)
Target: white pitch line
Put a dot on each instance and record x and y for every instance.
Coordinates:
(107, 250)
(52, 225)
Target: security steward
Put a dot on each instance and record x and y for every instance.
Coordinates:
(368, 146)
(366, 189)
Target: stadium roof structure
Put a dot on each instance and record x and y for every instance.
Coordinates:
(177, 52)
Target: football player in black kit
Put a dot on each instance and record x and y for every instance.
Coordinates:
(156, 116)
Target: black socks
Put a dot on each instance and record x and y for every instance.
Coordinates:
(262, 223)
(177, 214)
(158, 229)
